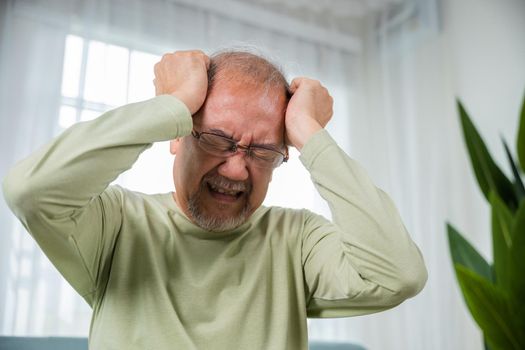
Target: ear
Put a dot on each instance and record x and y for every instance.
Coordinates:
(174, 146)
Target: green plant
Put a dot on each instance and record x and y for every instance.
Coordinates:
(495, 293)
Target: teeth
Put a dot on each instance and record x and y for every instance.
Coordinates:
(224, 191)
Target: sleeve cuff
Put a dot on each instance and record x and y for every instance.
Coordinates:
(181, 114)
(315, 146)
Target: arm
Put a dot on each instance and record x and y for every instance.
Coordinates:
(60, 193)
(364, 261)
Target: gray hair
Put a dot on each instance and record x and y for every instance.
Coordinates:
(241, 64)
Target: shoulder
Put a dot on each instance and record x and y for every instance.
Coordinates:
(286, 219)
(281, 213)
(299, 223)
(135, 202)
(142, 214)
(293, 214)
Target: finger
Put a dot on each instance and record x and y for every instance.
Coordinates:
(286, 139)
(207, 61)
(294, 84)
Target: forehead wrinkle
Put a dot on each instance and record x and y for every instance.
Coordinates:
(268, 96)
(234, 108)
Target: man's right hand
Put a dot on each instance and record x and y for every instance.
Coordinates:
(183, 74)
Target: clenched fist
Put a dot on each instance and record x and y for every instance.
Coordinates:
(309, 110)
(183, 74)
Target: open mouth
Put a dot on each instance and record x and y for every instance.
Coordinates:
(224, 194)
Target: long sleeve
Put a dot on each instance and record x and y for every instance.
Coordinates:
(60, 193)
(364, 261)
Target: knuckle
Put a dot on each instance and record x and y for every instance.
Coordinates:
(156, 71)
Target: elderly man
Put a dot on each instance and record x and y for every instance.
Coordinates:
(208, 267)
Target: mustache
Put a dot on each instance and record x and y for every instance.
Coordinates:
(228, 184)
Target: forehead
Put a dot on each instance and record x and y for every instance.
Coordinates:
(244, 109)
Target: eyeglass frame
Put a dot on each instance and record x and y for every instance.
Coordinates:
(236, 146)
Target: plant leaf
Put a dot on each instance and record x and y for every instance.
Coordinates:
(518, 184)
(517, 257)
(518, 310)
(502, 221)
(521, 136)
(463, 253)
(488, 174)
(490, 308)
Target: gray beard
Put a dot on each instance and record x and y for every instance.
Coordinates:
(215, 223)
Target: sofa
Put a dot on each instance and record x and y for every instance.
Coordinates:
(61, 343)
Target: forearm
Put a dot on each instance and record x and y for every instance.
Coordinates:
(80, 163)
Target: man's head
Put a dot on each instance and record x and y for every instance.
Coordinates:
(246, 102)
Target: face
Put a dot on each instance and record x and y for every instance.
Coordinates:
(219, 193)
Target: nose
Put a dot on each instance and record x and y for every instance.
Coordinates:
(234, 167)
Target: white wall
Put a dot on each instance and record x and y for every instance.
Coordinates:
(487, 58)
(411, 129)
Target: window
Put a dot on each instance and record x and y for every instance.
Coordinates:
(98, 76)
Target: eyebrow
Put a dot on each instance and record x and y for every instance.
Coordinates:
(220, 132)
(271, 146)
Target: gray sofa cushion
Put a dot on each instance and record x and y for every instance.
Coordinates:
(315, 345)
(47, 343)
(60, 343)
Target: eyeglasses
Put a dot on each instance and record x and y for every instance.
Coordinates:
(222, 146)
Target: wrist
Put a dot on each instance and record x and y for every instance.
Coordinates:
(182, 99)
(304, 132)
(190, 102)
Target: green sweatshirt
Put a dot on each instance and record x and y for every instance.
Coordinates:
(157, 281)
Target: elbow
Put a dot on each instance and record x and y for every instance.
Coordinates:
(17, 194)
(415, 284)
(412, 280)
(10, 190)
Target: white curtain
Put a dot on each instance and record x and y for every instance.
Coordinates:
(407, 134)
(34, 299)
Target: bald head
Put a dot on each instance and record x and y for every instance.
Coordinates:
(242, 66)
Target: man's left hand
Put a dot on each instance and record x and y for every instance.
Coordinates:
(309, 110)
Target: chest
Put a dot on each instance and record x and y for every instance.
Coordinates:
(186, 265)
